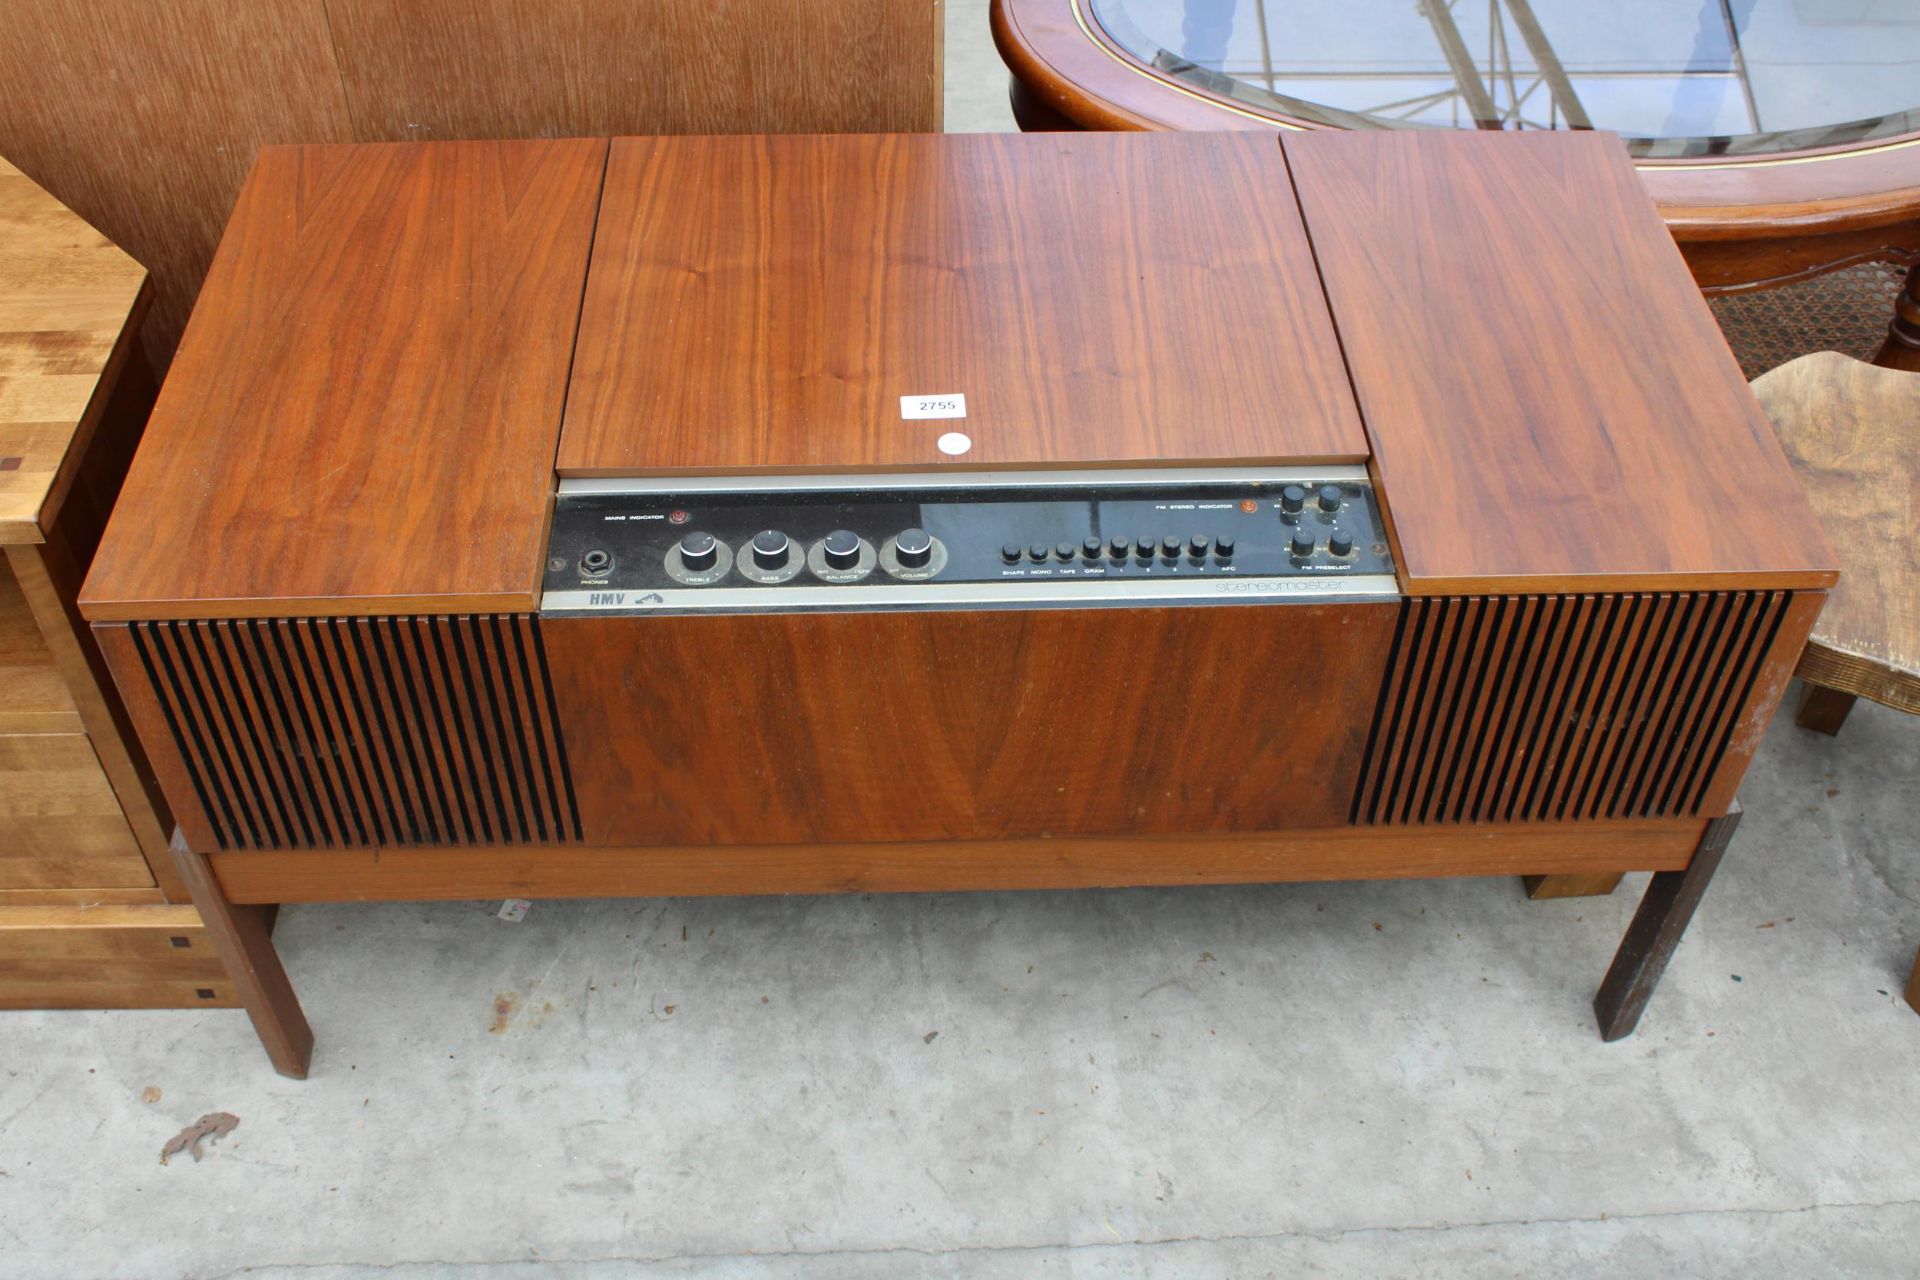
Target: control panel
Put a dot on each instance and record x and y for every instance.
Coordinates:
(965, 540)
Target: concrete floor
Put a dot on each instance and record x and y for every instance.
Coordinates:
(1334, 1080)
(1355, 1079)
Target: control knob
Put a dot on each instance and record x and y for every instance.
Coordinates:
(1329, 497)
(770, 549)
(1340, 543)
(913, 548)
(1303, 542)
(1293, 498)
(698, 552)
(841, 549)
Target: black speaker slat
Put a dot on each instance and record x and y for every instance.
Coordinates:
(1560, 707)
(304, 732)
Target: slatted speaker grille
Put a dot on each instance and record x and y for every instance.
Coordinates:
(1537, 708)
(332, 732)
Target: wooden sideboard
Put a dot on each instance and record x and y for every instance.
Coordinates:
(92, 912)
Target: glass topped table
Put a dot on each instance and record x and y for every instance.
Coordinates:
(1780, 138)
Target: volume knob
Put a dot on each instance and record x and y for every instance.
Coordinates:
(913, 548)
(770, 549)
(841, 549)
(698, 552)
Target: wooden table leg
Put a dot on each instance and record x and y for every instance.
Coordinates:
(1901, 350)
(1823, 710)
(1913, 985)
(242, 936)
(1655, 932)
(1586, 885)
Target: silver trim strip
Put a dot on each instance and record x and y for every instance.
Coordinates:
(1027, 479)
(1012, 593)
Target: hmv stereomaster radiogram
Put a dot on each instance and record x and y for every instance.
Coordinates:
(803, 514)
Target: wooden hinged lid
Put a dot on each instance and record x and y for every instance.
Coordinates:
(362, 413)
(763, 304)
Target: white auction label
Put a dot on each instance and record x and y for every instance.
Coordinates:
(955, 443)
(912, 407)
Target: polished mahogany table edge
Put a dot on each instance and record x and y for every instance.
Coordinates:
(1064, 63)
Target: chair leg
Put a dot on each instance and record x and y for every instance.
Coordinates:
(242, 936)
(1901, 350)
(1823, 710)
(1657, 926)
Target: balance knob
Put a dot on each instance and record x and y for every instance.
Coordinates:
(1292, 498)
(913, 548)
(1329, 497)
(841, 548)
(698, 551)
(1303, 543)
(770, 549)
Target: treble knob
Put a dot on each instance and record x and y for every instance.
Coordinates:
(699, 551)
(841, 549)
(913, 548)
(770, 549)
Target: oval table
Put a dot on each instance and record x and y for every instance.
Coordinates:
(1779, 138)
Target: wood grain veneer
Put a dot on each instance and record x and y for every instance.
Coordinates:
(1346, 853)
(768, 729)
(1551, 405)
(361, 415)
(1097, 300)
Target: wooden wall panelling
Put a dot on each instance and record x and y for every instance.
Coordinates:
(1551, 405)
(403, 316)
(584, 871)
(1097, 299)
(423, 69)
(143, 117)
(765, 729)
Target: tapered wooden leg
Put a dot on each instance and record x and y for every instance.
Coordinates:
(1823, 710)
(242, 935)
(1656, 930)
(1901, 350)
(1593, 885)
(1913, 985)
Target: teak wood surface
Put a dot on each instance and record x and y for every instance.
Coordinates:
(362, 414)
(978, 725)
(145, 115)
(1551, 405)
(1136, 300)
(1852, 432)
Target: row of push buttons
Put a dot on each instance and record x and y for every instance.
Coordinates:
(1169, 547)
